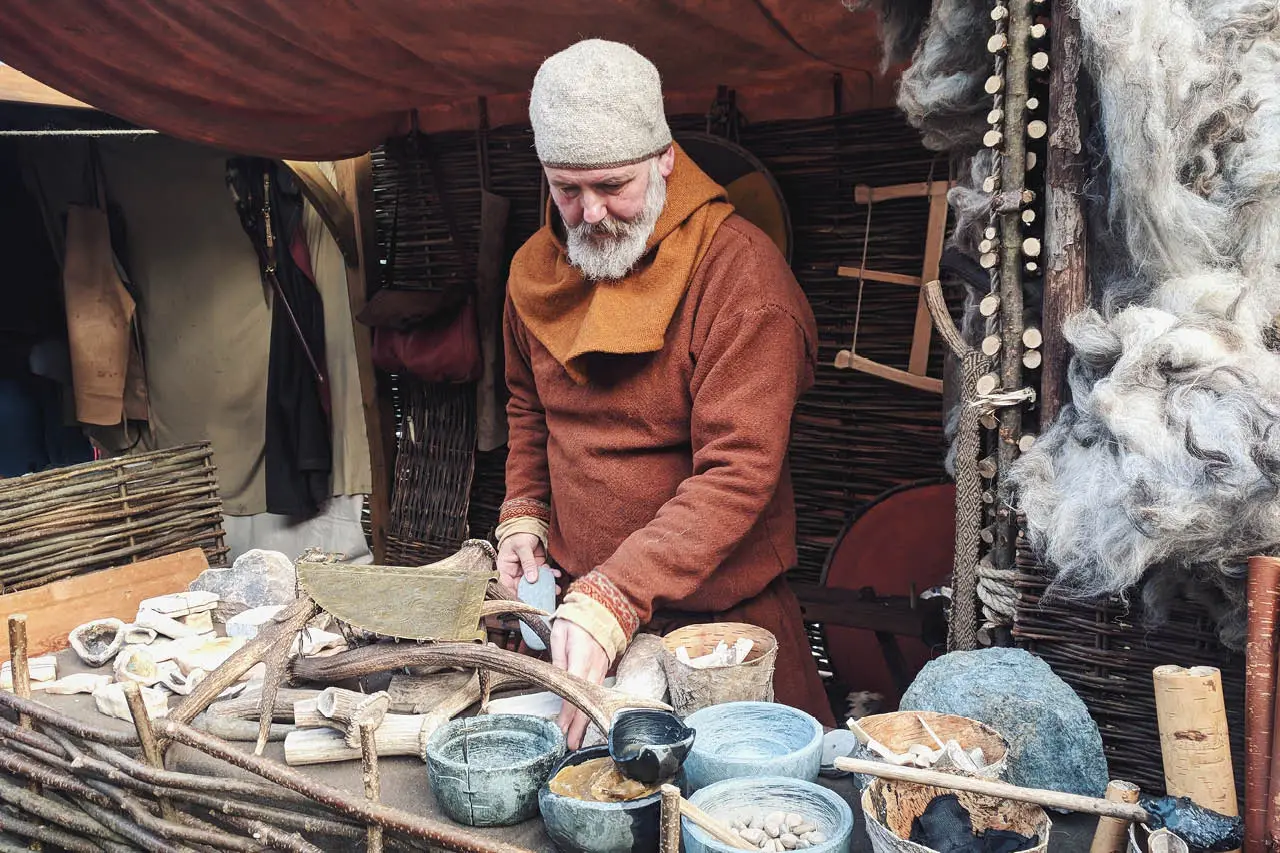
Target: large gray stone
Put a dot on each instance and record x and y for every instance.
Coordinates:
(256, 579)
(1054, 742)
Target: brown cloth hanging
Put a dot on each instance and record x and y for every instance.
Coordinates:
(106, 367)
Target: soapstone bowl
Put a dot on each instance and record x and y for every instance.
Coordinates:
(743, 739)
(578, 826)
(486, 771)
(738, 798)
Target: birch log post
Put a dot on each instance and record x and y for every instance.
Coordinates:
(1263, 598)
(1112, 833)
(1192, 720)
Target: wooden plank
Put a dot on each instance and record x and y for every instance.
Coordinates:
(864, 194)
(1066, 282)
(876, 275)
(844, 607)
(355, 183)
(54, 609)
(935, 237)
(333, 209)
(16, 87)
(850, 361)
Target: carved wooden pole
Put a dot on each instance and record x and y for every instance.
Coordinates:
(1066, 283)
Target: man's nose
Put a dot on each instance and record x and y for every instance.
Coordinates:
(593, 209)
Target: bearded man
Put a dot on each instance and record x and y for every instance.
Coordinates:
(655, 348)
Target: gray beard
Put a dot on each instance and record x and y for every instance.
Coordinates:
(608, 250)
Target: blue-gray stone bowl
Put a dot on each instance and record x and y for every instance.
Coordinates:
(742, 739)
(649, 746)
(486, 771)
(579, 826)
(741, 798)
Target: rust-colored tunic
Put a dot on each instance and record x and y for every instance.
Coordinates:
(666, 472)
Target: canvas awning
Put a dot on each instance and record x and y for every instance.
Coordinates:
(331, 78)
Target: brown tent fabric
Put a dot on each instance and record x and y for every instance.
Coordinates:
(324, 79)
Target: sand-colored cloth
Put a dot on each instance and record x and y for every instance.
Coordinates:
(665, 473)
(572, 317)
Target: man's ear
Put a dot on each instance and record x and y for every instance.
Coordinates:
(667, 162)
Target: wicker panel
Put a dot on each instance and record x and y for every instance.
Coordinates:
(1106, 654)
(68, 521)
(433, 472)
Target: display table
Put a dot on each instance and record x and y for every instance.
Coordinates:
(404, 779)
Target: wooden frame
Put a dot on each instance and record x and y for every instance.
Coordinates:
(916, 374)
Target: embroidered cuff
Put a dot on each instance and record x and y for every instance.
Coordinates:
(523, 515)
(594, 618)
(522, 524)
(598, 587)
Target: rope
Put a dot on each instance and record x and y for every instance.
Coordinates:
(83, 132)
(963, 636)
(866, 242)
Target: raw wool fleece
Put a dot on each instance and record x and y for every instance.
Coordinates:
(942, 92)
(901, 23)
(1169, 455)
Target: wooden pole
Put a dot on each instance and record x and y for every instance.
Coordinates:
(372, 783)
(355, 183)
(19, 670)
(670, 842)
(1112, 833)
(1013, 175)
(1193, 736)
(1002, 790)
(147, 737)
(1263, 599)
(1066, 282)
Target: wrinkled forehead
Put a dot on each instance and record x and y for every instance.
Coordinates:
(595, 177)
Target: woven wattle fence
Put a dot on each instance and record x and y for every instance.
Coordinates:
(1106, 653)
(855, 435)
(68, 521)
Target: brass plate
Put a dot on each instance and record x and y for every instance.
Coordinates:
(422, 603)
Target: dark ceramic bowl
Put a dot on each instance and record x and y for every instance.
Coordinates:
(649, 746)
(577, 826)
(486, 771)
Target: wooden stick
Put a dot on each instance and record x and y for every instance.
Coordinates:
(1003, 790)
(670, 839)
(1112, 834)
(1192, 719)
(147, 737)
(372, 784)
(19, 670)
(713, 827)
(1263, 598)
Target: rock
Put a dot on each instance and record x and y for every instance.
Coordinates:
(256, 579)
(135, 663)
(110, 701)
(41, 669)
(794, 820)
(202, 621)
(175, 680)
(162, 624)
(247, 623)
(98, 641)
(136, 635)
(209, 655)
(179, 604)
(78, 682)
(1054, 743)
(788, 840)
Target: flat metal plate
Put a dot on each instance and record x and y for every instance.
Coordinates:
(412, 603)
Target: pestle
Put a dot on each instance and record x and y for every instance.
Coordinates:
(542, 595)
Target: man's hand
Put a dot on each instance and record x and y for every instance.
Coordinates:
(577, 652)
(519, 554)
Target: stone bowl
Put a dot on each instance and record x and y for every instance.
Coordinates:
(486, 771)
(740, 798)
(741, 739)
(579, 826)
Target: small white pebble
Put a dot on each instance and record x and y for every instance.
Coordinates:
(804, 829)
(772, 829)
(753, 835)
(775, 817)
(757, 822)
(788, 840)
(803, 845)
(815, 838)
(794, 820)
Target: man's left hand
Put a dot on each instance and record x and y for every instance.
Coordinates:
(578, 653)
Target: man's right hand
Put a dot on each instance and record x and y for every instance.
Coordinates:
(519, 555)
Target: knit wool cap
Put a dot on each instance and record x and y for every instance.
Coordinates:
(597, 105)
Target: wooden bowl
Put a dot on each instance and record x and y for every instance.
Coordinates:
(889, 808)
